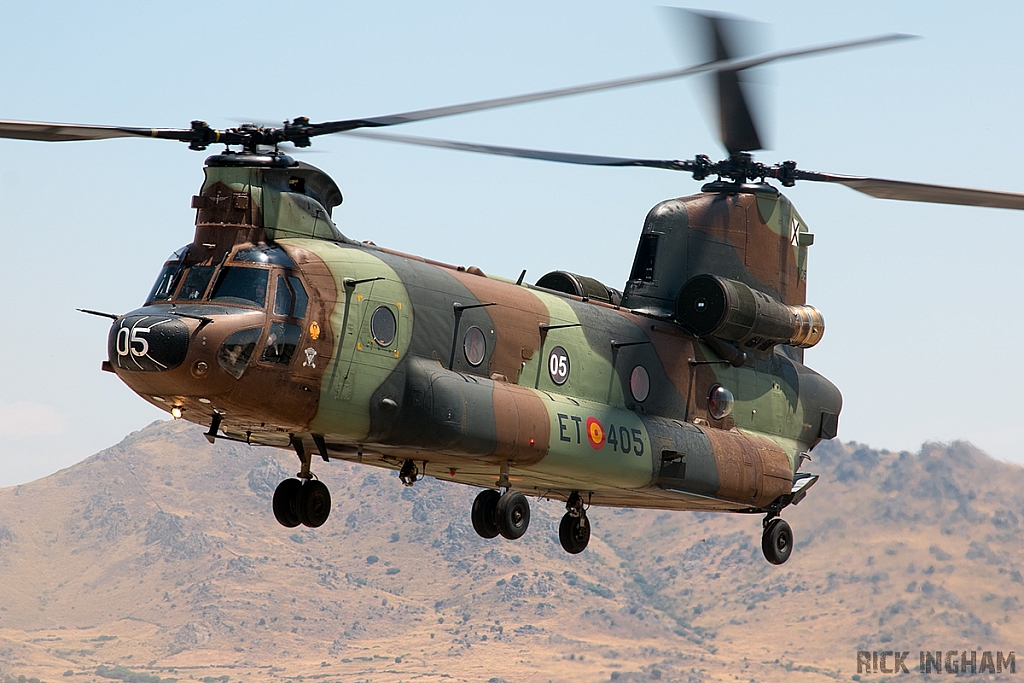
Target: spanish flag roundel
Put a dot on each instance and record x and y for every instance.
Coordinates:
(595, 433)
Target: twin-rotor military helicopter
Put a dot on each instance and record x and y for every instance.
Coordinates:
(684, 391)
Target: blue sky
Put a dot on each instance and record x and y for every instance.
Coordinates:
(921, 302)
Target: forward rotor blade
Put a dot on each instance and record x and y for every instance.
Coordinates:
(920, 192)
(718, 65)
(561, 157)
(201, 136)
(70, 132)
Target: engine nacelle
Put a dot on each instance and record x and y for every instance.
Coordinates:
(579, 285)
(714, 306)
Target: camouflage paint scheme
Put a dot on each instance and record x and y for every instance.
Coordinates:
(345, 395)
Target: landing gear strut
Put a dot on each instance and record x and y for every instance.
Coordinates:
(574, 529)
(507, 514)
(410, 473)
(777, 539)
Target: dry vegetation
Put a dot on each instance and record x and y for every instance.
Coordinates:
(159, 558)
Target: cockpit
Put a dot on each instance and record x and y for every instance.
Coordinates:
(242, 280)
(260, 276)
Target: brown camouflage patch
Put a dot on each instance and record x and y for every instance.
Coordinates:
(737, 220)
(751, 469)
(519, 313)
(522, 425)
(224, 218)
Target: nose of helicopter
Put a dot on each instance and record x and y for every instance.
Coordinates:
(175, 357)
(147, 343)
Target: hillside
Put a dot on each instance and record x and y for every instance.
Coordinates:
(161, 555)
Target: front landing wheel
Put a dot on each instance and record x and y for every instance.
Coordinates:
(777, 541)
(574, 533)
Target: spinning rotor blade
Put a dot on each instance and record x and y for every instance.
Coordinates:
(702, 167)
(725, 64)
(919, 192)
(719, 36)
(725, 40)
(70, 132)
(561, 157)
(300, 130)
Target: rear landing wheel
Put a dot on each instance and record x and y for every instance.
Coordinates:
(513, 515)
(286, 502)
(574, 533)
(314, 503)
(485, 510)
(777, 541)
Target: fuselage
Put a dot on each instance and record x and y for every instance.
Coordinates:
(351, 351)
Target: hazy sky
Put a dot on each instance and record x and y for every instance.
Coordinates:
(921, 301)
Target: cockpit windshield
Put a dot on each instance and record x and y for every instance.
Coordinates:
(241, 286)
(196, 282)
(246, 285)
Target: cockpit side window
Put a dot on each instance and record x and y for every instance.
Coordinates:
(290, 299)
(301, 299)
(246, 286)
(237, 350)
(283, 298)
(281, 343)
(169, 277)
(166, 283)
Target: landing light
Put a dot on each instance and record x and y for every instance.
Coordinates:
(176, 412)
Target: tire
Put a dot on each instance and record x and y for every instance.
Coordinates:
(286, 499)
(314, 503)
(485, 511)
(574, 533)
(777, 541)
(513, 515)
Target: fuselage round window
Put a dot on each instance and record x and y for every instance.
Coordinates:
(720, 402)
(474, 346)
(383, 326)
(640, 383)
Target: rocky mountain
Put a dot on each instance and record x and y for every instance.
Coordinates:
(159, 558)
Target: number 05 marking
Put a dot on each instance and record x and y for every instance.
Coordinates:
(130, 340)
(558, 365)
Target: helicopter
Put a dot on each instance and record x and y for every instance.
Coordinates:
(684, 391)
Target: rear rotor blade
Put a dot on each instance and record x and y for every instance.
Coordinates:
(720, 36)
(919, 192)
(728, 41)
(562, 157)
